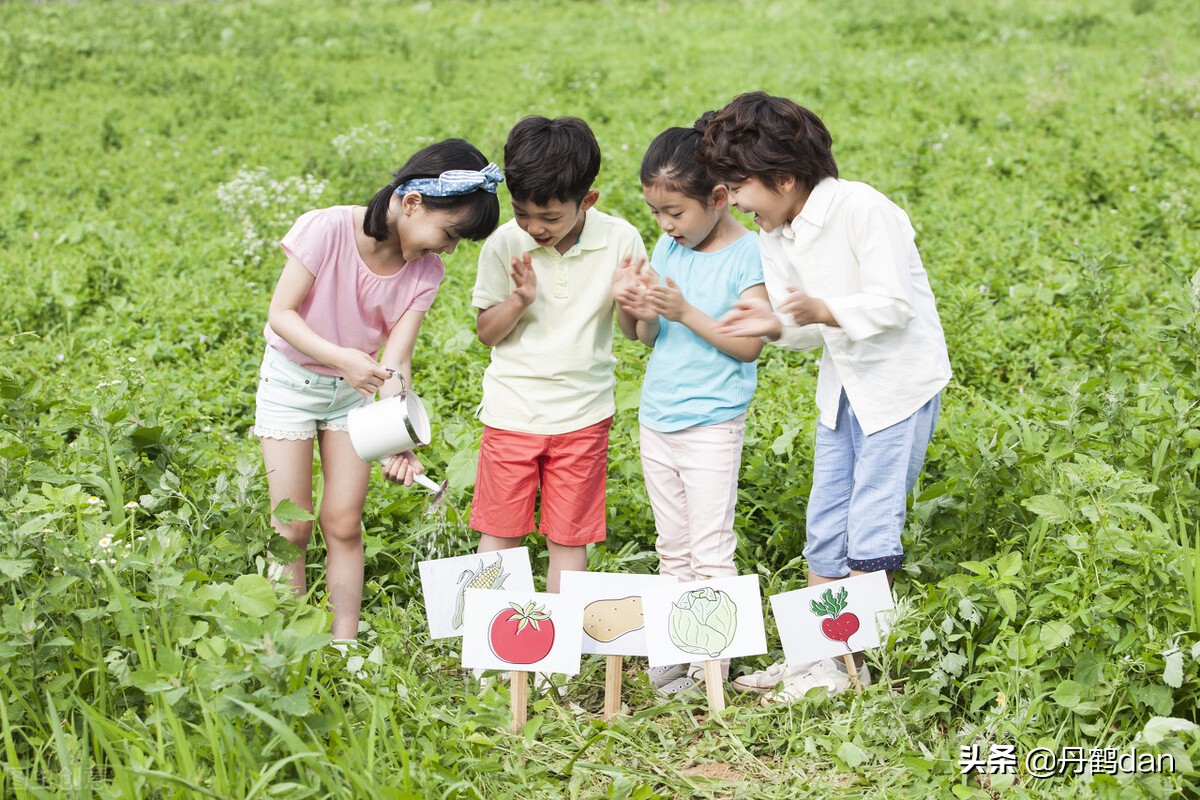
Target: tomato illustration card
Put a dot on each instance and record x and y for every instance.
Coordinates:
(522, 630)
(445, 581)
(704, 620)
(833, 619)
(613, 621)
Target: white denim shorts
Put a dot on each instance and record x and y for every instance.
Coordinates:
(294, 402)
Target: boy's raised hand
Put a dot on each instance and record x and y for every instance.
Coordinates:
(750, 317)
(524, 279)
(667, 300)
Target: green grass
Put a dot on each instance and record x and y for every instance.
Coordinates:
(152, 152)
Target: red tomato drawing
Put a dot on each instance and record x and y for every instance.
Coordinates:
(522, 634)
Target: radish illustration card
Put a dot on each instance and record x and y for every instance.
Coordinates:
(522, 630)
(704, 620)
(833, 619)
(613, 620)
(445, 581)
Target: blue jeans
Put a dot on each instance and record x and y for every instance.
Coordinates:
(860, 490)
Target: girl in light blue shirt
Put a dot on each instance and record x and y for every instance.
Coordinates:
(698, 382)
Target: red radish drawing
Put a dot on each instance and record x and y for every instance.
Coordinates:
(522, 634)
(839, 627)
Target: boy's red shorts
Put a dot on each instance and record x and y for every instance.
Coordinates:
(571, 469)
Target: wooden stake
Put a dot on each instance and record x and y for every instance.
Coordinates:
(612, 687)
(714, 685)
(518, 699)
(848, 660)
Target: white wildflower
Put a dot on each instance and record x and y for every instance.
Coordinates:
(93, 501)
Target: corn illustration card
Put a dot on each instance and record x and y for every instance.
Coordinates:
(704, 620)
(521, 630)
(833, 619)
(445, 581)
(613, 621)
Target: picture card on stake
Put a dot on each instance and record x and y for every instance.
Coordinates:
(613, 620)
(445, 581)
(833, 619)
(704, 620)
(522, 631)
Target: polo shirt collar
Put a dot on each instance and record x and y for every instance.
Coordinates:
(590, 238)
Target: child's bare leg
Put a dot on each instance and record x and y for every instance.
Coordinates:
(289, 477)
(564, 557)
(490, 544)
(346, 478)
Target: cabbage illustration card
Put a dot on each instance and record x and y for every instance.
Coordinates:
(833, 619)
(704, 620)
(445, 581)
(521, 631)
(613, 620)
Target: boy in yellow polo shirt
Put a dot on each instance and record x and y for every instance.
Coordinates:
(545, 307)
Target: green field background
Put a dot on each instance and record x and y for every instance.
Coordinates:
(151, 155)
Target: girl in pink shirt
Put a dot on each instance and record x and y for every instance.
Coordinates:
(357, 280)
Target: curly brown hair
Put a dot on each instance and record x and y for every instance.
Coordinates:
(769, 138)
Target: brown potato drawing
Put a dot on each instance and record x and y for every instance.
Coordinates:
(605, 620)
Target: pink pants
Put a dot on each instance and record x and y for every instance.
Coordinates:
(691, 478)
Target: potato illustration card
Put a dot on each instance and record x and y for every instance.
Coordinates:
(833, 619)
(525, 631)
(613, 621)
(704, 620)
(445, 581)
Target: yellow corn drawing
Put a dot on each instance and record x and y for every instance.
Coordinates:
(491, 577)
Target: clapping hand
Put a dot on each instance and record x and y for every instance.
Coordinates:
(524, 279)
(750, 317)
(667, 300)
(806, 310)
(631, 283)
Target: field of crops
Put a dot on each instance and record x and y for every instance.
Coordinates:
(151, 154)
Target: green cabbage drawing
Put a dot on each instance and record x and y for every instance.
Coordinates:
(703, 622)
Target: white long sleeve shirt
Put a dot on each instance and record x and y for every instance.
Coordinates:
(853, 248)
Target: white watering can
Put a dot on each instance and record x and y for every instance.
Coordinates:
(392, 426)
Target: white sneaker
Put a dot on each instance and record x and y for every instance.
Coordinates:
(824, 674)
(767, 679)
(661, 676)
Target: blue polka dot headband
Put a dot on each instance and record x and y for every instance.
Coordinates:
(455, 182)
